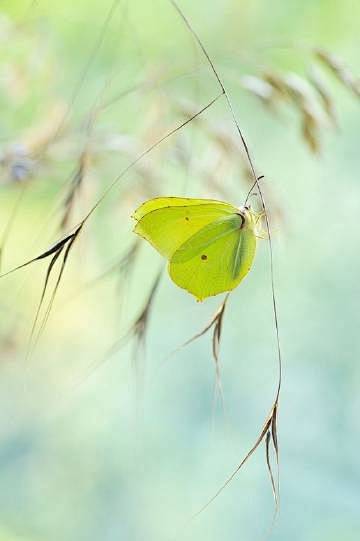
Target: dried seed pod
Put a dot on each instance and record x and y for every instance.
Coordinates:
(259, 88)
(340, 70)
(325, 96)
(303, 98)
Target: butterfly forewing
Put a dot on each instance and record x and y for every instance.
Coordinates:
(162, 202)
(169, 227)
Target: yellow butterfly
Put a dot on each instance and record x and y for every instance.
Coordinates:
(210, 245)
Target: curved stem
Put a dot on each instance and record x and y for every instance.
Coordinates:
(270, 422)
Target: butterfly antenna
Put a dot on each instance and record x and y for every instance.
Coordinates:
(250, 192)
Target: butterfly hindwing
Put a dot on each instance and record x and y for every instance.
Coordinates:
(209, 268)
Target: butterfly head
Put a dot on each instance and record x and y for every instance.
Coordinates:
(246, 215)
(250, 218)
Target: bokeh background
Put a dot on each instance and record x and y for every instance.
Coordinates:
(94, 443)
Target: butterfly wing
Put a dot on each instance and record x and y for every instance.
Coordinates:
(215, 259)
(167, 222)
(163, 202)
